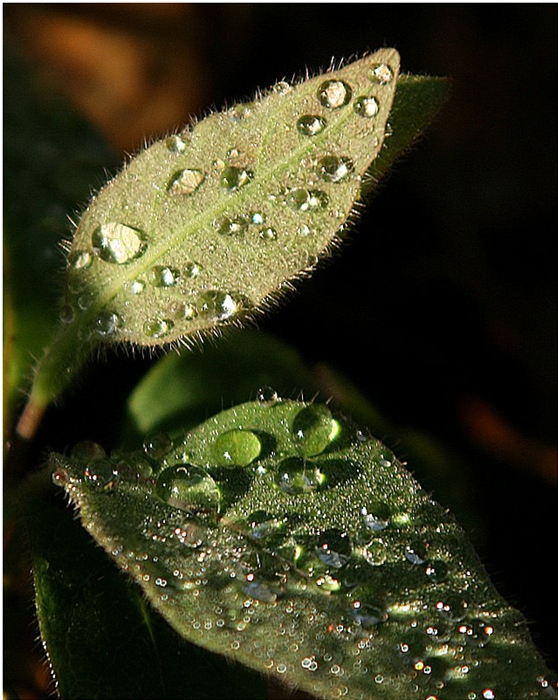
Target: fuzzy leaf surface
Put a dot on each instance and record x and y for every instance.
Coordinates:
(287, 539)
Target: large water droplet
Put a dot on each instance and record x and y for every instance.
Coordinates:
(186, 181)
(80, 260)
(334, 548)
(334, 94)
(237, 448)
(313, 429)
(258, 589)
(189, 488)
(175, 144)
(311, 125)
(335, 168)
(436, 571)
(87, 450)
(215, 305)
(452, 607)
(366, 106)
(368, 615)
(307, 200)
(296, 475)
(416, 552)
(232, 178)
(118, 243)
(163, 276)
(375, 552)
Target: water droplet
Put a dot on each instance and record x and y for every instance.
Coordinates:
(232, 178)
(237, 448)
(133, 467)
(240, 111)
(309, 663)
(375, 552)
(216, 305)
(257, 218)
(234, 226)
(296, 475)
(366, 106)
(258, 589)
(67, 313)
(188, 534)
(416, 553)
(85, 300)
(436, 571)
(267, 396)
(268, 234)
(376, 516)
(477, 633)
(80, 260)
(452, 607)
(60, 477)
(368, 615)
(163, 276)
(106, 324)
(175, 144)
(100, 472)
(117, 243)
(307, 200)
(186, 181)
(189, 488)
(157, 445)
(282, 87)
(192, 269)
(311, 125)
(158, 328)
(381, 73)
(263, 525)
(334, 168)
(334, 94)
(87, 450)
(488, 694)
(334, 548)
(313, 429)
(137, 286)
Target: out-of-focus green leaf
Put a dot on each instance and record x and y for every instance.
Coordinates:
(289, 540)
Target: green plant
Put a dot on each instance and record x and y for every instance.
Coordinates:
(276, 532)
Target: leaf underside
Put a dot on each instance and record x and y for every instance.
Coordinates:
(289, 540)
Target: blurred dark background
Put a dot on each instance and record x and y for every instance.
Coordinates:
(442, 308)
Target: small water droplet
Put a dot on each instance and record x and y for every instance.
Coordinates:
(296, 476)
(258, 589)
(237, 448)
(366, 106)
(307, 200)
(264, 526)
(163, 276)
(100, 472)
(232, 178)
(132, 467)
(118, 243)
(257, 218)
(185, 182)
(215, 305)
(240, 111)
(334, 548)
(416, 553)
(436, 571)
(189, 488)
(158, 328)
(137, 286)
(282, 87)
(87, 450)
(309, 663)
(334, 94)
(267, 396)
(85, 300)
(452, 607)
(477, 633)
(335, 168)
(175, 144)
(311, 125)
(106, 324)
(368, 615)
(268, 234)
(381, 74)
(67, 313)
(192, 270)
(375, 552)
(60, 477)
(157, 445)
(80, 260)
(313, 429)
(231, 226)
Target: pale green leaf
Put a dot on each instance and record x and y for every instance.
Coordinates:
(287, 539)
